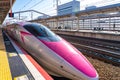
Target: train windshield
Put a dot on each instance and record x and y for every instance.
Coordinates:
(41, 32)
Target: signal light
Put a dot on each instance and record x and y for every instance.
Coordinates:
(11, 14)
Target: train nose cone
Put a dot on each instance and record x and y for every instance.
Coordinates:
(74, 57)
(83, 65)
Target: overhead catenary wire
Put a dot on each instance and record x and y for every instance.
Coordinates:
(48, 9)
(46, 6)
(36, 4)
(25, 5)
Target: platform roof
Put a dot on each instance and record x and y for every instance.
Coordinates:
(4, 9)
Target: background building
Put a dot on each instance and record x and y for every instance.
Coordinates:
(70, 7)
(90, 7)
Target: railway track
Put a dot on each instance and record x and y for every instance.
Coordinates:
(105, 50)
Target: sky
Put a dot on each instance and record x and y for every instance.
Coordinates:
(49, 6)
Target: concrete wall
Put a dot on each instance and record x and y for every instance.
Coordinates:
(99, 35)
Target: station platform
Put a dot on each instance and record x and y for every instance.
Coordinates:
(107, 35)
(16, 63)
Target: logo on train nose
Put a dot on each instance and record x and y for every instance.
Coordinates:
(23, 34)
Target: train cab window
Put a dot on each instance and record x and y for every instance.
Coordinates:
(31, 30)
(41, 32)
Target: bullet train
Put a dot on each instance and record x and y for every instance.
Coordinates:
(57, 56)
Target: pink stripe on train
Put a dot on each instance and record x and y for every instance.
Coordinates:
(73, 56)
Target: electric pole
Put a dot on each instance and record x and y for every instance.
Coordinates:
(57, 6)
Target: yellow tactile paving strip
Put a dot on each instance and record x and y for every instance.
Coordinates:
(5, 73)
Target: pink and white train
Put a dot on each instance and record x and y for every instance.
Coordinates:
(57, 56)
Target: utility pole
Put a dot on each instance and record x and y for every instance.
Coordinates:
(57, 13)
(31, 15)
(57, 6)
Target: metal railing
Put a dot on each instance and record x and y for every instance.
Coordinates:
(106, 24)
